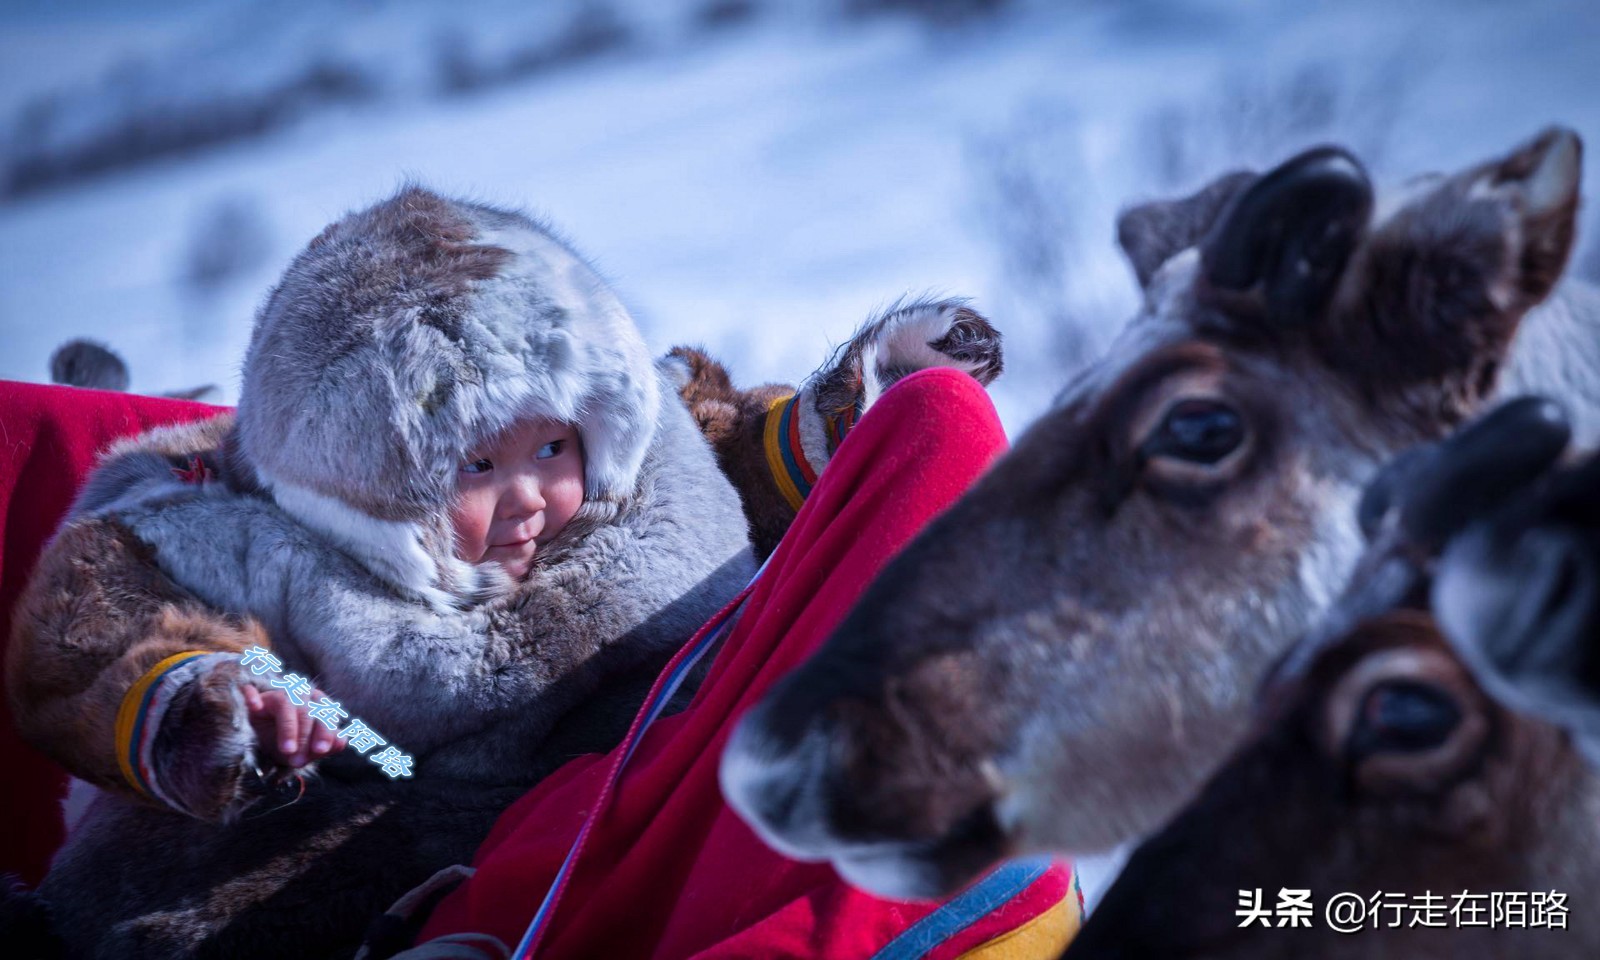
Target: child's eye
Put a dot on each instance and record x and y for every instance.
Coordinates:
(551, 449)
(477, 466)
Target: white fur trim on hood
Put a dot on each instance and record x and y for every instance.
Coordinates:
(409, 332)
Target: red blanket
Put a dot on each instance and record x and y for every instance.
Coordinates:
(49, 438)
(668, 871)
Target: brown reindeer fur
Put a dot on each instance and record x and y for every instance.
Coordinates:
(733, 420)
(902, 339)
(1299, 807)
(99, 590)
(1382, 757)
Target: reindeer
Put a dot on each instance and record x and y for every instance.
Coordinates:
(1058, 660)
(1380, 763)
(772, 441)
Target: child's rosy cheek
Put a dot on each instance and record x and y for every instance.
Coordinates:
(467, 528)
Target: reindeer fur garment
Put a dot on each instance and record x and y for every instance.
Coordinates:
(468, 691)
(402, 336)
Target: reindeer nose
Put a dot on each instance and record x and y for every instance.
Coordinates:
(788, 796)
(777, 788)
(792, 790)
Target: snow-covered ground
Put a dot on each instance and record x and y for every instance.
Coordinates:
(757, 187)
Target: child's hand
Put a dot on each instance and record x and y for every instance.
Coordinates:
(286, 732)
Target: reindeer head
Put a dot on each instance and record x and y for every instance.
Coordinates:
(1379, 762)
(774, 440)
(1058, 660)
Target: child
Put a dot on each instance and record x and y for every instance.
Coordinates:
(457, 496)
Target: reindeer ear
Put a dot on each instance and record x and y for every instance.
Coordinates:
(1518, 594)
(1537, 186)
(697, 374)
(1439, 288)
(1153, 233)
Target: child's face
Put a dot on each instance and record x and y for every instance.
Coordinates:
(516, 494)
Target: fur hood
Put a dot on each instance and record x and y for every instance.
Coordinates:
(429, 325)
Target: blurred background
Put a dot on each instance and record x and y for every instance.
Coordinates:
(754, 175)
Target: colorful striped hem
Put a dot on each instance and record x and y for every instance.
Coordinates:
(139, 719)
(1000, 888)
(1045, 937)
(839, 425)
(786, 458)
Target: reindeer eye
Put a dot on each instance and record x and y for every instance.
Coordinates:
(1403, 717)
(1199, 431)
